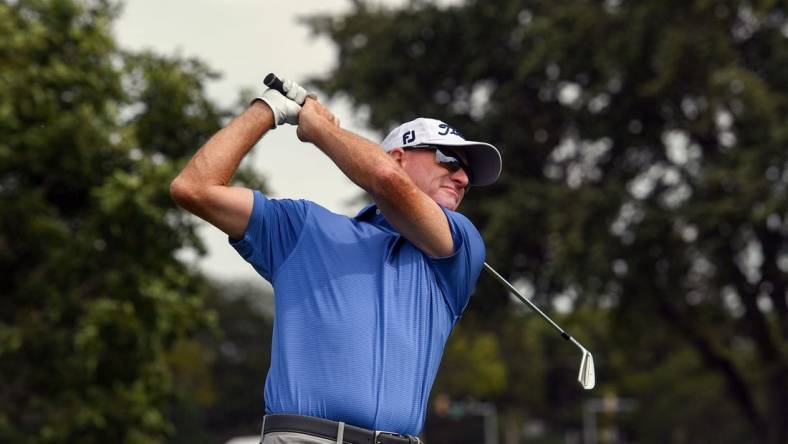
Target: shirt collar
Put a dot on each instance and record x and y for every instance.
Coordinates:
(372, 214)
(367, 213)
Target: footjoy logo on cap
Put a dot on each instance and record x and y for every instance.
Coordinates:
(446, 129)
(408, 137)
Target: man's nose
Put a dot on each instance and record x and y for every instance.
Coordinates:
(461, 178)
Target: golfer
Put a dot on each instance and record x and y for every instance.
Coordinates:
(364, 304)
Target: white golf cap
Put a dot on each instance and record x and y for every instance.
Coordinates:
(483, 158)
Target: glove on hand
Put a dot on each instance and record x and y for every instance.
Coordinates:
(295, 92)
(285, 108)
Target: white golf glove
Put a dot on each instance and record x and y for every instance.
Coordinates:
(295, 92)
(285, 108)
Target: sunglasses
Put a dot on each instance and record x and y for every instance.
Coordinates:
(447, 158)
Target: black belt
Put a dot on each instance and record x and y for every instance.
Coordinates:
(325, 428)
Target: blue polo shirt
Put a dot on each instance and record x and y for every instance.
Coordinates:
(361, 314)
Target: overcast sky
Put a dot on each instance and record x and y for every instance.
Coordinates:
(244, 40)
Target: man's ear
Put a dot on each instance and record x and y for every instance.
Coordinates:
(397, 154)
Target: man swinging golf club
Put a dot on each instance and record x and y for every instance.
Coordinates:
(364, 304)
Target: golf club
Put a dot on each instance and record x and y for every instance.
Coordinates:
(586, 375)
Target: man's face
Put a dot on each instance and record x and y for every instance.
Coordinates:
(444, 186)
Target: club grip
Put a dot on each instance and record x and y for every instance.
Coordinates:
(272, 81)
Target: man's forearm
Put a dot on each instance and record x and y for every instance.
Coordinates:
(218, 159)
(202, 187)
(361, 160)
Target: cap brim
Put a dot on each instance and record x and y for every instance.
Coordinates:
(483, 159)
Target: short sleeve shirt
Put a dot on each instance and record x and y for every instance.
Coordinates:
(361, 314)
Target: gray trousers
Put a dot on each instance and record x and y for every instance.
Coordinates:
(298, 438)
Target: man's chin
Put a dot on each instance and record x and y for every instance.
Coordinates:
(449, 202)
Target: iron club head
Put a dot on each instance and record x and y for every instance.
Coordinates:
(586, 376)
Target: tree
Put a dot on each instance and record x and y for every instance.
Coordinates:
(94, 300)
(221, 374)
(644, 172)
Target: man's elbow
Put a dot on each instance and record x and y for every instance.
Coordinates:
(184, 193)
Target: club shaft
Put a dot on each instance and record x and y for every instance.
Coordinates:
(511, 288)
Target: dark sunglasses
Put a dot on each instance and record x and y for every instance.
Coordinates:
(447, 158)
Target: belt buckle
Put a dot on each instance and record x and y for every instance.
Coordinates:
(380, 438)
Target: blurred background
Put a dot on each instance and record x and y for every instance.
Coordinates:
(642, 204)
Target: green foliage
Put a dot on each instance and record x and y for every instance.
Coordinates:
(220, 375)
(479, 368)
(95, 305)
(644, 175)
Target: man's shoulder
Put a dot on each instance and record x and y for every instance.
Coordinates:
(318, 217)
(304, 205)
(460, 219)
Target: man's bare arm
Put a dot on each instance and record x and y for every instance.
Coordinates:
(412, 212)
(203, 188)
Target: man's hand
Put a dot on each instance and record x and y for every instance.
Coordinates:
(314, 117)
(285, 107)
